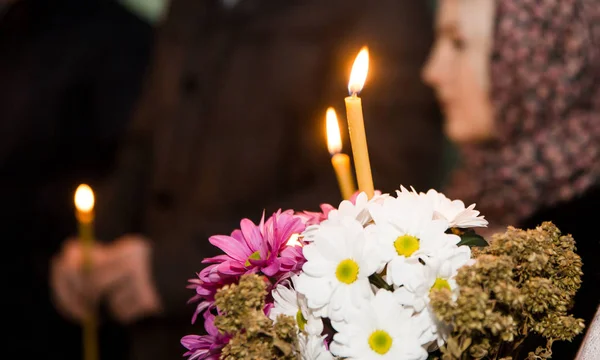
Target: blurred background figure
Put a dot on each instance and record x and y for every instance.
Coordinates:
(231, 122)
(519, 82)
(70, 72)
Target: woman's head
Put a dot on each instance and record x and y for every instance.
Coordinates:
(524, 74)
(502, 68)
(458, 67)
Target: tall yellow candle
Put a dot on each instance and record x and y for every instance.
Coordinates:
(84, 204)
(339, 160)
(356, 126)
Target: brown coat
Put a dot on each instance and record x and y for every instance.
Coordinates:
(232, 122)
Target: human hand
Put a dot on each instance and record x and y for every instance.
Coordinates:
(125, 278)
(119, 272)
(72, 292)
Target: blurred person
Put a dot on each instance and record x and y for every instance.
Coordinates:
(519, 82)
(70, 72)
(231, 123)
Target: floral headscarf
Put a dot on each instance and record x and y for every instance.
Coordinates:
(545, 88)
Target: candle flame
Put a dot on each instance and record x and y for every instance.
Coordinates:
(84, 198)
(359, 71)
(334, 141)
(293, 240)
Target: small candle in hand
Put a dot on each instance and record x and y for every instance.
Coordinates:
(356, 126)
(84, 203)
(340, 161)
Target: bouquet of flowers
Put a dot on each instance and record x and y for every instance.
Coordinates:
(391, 277)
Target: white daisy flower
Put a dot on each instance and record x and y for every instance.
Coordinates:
(407, 232)
(419, 281)
(339, 261)
(453, 211)
(358, 210)
(312, 346)
(380, 330)
(289, 302)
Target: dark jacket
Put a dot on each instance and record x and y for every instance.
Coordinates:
(70, 72)
(233, 122)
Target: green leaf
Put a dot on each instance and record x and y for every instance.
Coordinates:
(471, 238)
(378, 281)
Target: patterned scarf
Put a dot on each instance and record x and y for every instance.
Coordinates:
(545, 88)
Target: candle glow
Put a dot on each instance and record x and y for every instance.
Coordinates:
(84, 198)
(334, 140)
(339, 161)
(358, 75)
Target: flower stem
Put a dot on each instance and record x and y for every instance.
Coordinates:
(378, 281)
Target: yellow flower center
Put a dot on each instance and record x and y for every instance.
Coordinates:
(406, 245)
(440, 284)
(380, 341)
(300, 320)
(347, 271)
(255, 256)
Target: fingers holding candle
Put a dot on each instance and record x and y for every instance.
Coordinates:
(339, 160)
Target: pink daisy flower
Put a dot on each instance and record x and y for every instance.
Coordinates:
(315, 218)
(260, 248)
(205, 347)
(206, 285)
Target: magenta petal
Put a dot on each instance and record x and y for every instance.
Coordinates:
(293, 253)
(267, 230)
(190, 341)
(199, 309)
(231, 268)
(267, 308)
(209, 324)
(237, 234)
(214, 277)
(272, 269)
(293, 226)
(231, 247)
(252, 235)
(262, 222)
(204, 273)
(287, 262)
(216, 259)
(204, 292)
(258, 263)
(194, 298)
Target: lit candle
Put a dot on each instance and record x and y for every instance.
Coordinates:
(84, 203)
(340, 161)
(356, 126)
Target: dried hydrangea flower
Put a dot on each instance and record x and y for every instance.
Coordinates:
(254, 335)
(523, 282)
